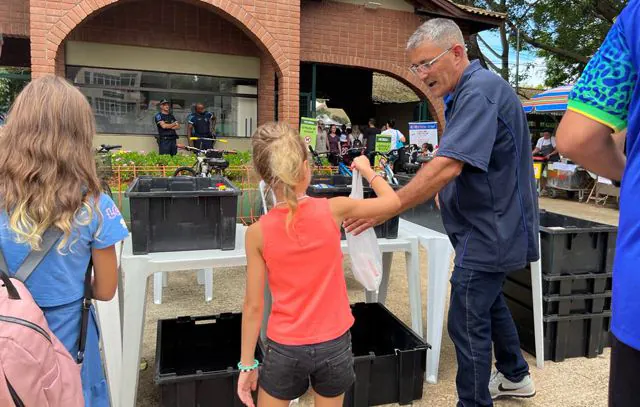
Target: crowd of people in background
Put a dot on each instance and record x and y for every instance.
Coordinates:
(337, 140)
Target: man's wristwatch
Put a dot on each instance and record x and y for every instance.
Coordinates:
(615, 183)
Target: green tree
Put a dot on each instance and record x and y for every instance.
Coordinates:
(566, 33)
(12, 80)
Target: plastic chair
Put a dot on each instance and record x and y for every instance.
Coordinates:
(263, 190)
(205, 277)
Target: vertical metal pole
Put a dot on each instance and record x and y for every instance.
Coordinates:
(517, 59)
(313, 90)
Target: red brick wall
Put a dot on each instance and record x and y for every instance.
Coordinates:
(266, 88)
(166, 24)
(271, 24)
(349, 34)
(14, 18)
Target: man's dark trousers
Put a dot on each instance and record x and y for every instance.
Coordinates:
(167, 146)
(478, 315)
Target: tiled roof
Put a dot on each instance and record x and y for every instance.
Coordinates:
(480, 11)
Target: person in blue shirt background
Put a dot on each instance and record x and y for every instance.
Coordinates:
(167, 126)
(49, 180)
(201, 123)
(604, 102)
(483, 171)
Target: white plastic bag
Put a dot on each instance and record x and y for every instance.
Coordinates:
(366, 258)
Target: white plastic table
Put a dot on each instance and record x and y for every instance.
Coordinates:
(131, 301)
(439, 252)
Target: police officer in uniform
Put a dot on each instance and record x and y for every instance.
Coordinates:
(201, 123)
(167, 126)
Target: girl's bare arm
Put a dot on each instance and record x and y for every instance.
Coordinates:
(254, 295)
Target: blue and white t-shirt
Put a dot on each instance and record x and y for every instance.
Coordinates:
(59, 279)
(609, 92)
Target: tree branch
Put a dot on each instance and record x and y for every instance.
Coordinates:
(492, 65)
(474, 50)
(489, 47)
(605, 10)
(550, 48)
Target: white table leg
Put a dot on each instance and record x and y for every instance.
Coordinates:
(538, 323)
(439, 252)
(208, 284)
(381, 297)
(414, 287)
(135, 284)
(108, 314)
(158, 283)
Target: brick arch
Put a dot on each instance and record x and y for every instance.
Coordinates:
(388, 68)
(58, 31)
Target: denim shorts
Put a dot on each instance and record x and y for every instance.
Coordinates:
(287, 370)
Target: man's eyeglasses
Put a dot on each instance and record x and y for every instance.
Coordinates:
(425, 66)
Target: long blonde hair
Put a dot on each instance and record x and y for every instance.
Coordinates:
(279, 154)
(46, 161)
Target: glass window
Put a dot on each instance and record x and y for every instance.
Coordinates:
(125, 101)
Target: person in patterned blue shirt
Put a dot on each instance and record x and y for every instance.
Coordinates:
(604, 102)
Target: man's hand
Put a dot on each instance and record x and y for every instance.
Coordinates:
(357, 226)
(247, 382)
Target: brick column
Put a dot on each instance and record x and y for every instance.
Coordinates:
(266, 89)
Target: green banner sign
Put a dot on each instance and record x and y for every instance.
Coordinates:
(309, 130)
(383, 144)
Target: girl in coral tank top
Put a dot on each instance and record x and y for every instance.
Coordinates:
(296, 246)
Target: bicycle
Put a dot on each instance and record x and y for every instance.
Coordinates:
(343, 168)
(386, 161)
(416, 159)
(104, 167)
(208, 162)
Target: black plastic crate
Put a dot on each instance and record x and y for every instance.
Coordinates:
(588, 283)
(559, 304)
(572, 246)
(196, 360)
(390, 359)
(570, 336)
(425, 214)
(331, 186)
(182, 213)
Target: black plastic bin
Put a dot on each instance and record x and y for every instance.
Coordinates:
(588, 283)
(425, 214)
(570, 336)
(390, 359)
(182, 213)
(330, 186)
(559, 304)
(196, 360)
(572, 246)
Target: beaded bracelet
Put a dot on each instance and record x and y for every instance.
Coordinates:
(248, 368)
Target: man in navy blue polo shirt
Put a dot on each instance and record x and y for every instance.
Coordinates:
(201, 124)
(483, 172)
(167, 126)
(606, 100)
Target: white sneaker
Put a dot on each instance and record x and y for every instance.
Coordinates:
(500, 386)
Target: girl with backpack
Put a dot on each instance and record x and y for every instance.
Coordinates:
(296, 246)
(48, 184)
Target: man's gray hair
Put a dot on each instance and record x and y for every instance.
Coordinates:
(441, 31)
